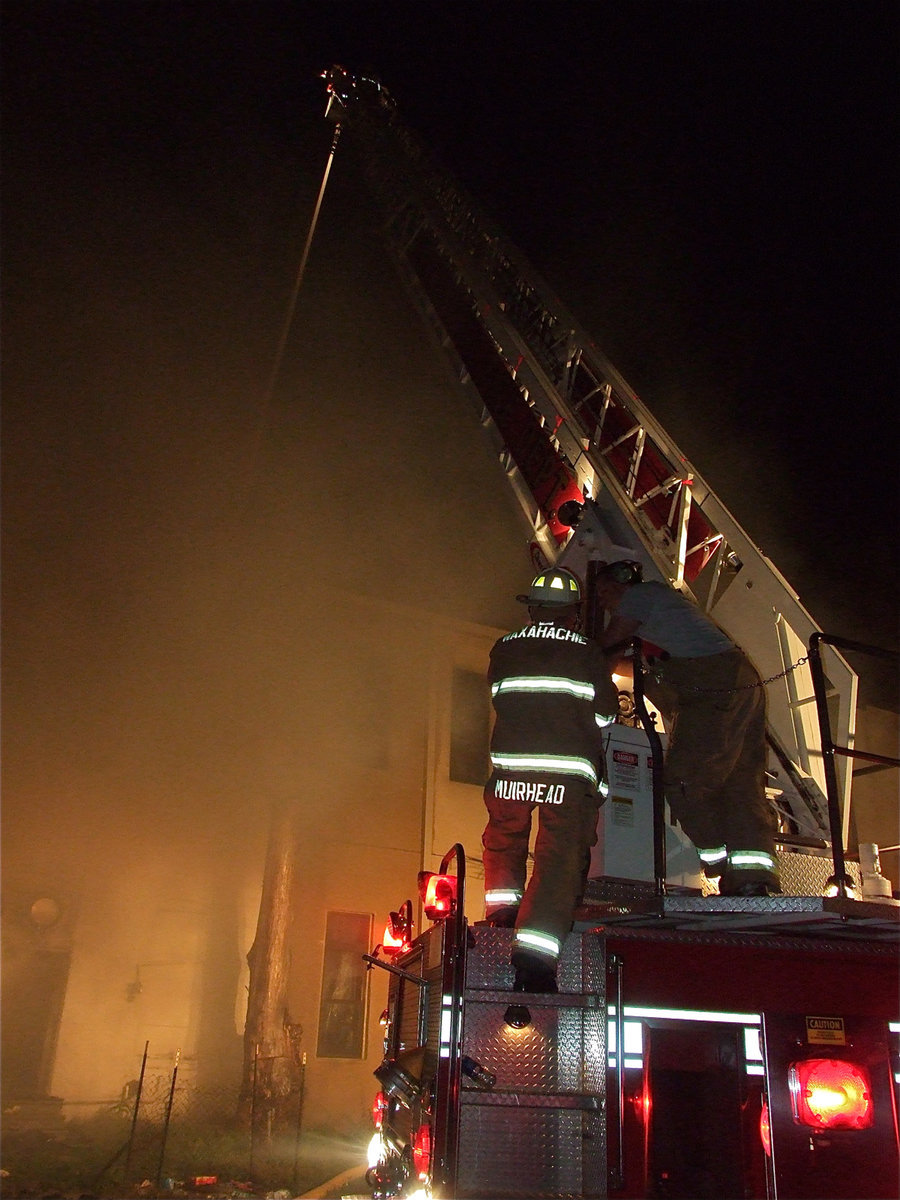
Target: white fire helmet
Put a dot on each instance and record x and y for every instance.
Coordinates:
(553, 588)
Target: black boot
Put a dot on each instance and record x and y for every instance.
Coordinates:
(757, 887)
(503, 918)
(533, 975)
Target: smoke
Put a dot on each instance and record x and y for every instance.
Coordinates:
(215, 601)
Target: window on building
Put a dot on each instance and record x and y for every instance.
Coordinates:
(470, 727)
(342, 1009)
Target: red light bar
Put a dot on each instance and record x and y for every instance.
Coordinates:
(379, 1108)
(398, 931)
(438, 893)
(393, 942)
(829, 1093)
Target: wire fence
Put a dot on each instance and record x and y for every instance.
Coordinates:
(183, 1139)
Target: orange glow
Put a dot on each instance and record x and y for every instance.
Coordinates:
(642, 1104)
(765, 1129)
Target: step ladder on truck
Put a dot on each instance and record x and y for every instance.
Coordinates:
(699, 1045)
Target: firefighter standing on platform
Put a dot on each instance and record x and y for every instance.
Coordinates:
(552, 694)
(716, 762)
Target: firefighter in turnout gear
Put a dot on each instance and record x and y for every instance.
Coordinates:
(552, 695)
(716, 762)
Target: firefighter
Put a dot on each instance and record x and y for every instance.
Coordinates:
(716, 761)
(552, 695)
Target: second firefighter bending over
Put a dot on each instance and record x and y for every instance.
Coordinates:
(552, 695)
(715, 767)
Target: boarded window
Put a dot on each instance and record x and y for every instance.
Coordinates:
(470, 728)
(342, 1010)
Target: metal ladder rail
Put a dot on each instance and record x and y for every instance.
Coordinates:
(831, 748)
(787, 636)
(576, 372)
(612, 437)
(660, 497)
(570, 360)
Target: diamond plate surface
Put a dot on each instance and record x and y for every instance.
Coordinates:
(534, 1152)
(843, 919)
(805, 874)
(487, 959)
(581, 964)
(540, 1131)
(562, 1050)
(802, 873)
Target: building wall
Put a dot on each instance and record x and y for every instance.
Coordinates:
(157, 913)
(390, 823)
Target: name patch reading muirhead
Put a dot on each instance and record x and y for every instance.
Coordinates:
(529, 793)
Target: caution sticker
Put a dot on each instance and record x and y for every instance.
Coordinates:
(825, 1031)
(623, 811)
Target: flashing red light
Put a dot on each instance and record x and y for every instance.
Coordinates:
(438, 894)
(398, 931)
(391, 942)
(422, 1152)
(765, 1129)
(829, 1093)
(379, 1108)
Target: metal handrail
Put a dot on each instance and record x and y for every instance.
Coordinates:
(458, 853)
(830, 748)
(448, 1080)
(657, 770)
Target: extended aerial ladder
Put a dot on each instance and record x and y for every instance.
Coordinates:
(594, 471)
(687, 1032)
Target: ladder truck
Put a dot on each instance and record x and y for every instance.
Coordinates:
(699, 1046)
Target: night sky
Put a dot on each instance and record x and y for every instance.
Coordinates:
(710, 187)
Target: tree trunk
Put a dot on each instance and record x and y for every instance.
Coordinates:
(271, 1074)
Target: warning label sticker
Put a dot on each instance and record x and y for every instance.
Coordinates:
(623, 811)
(625, 770)
(826, 1031)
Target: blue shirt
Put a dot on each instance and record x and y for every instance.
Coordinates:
(671, 621)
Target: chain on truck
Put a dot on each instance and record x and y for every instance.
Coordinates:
(699, 1045)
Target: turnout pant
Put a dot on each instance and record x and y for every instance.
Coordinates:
(716, 762)
(566, 832)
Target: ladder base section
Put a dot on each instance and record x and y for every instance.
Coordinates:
(540, 1131)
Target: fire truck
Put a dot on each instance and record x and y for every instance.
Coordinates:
(699, 1045)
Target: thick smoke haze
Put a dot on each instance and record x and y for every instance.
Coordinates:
(216, 596)
(169, 532)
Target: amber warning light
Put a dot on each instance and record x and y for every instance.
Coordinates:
(829, 1093)
(438, 893)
